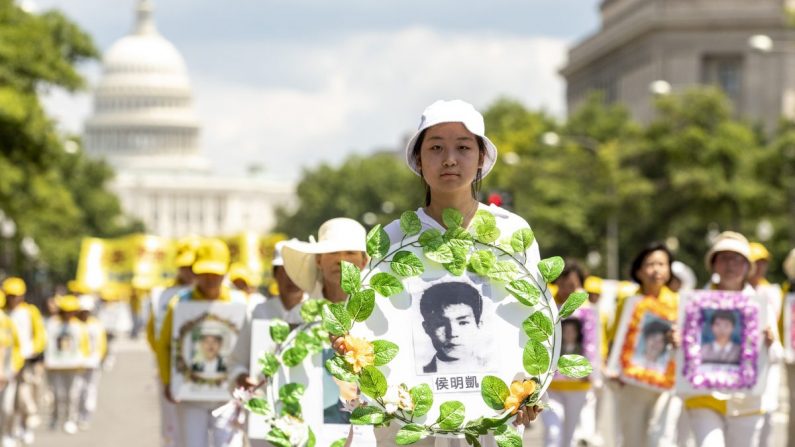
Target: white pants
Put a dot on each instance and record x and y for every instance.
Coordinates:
(561, 416)
(791, 424)
(634, 409)
(586, 429)
(169, 425)
(89, 393)
(7, 396)
(198, 427)
(66, 395)
(713, 429)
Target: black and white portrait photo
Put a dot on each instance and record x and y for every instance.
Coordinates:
(454, 336)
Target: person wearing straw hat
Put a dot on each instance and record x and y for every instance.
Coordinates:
(451, 155)
(32, 336)
(11, 362)
(98, 346)
(732, 420)
(159, 301)
(68, 339)
(196, 425)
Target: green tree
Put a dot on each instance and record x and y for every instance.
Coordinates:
(379, 184)
(54, 197)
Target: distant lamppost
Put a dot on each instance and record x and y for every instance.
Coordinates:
(553, 139)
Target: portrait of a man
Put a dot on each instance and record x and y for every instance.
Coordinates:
(720, 347)
(652, 350)
(208, 360)
(452, 318)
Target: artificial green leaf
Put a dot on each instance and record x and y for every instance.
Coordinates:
(458, 237)
(278, 438)
(422, 398)
(538, 327)
(459, 263)
(482, 261)
(483, 218)
(451, 415)
(535, 358)
(452, 218)
(258, 405)
(410, 223)
(279, 330)
(291, 392)
(367, 415)
(351, 279)
(494, 392)
(573, 302)
(574, 366)
(410, 433)
(336, 319)
(503, 271)
(294, 356)
(384, 351)
(312, 440)
(310, 309)
(507, 437)
(386, 284)
(431, 238)
(550, 268)
(526, 293)
(522, 239)
(485, 227)
(361, 304)
(406, 263)
(372, 382)
(268, 364)
(339, 442)
(339, 368)
(377, 242)
(310, 341)
(441, 253)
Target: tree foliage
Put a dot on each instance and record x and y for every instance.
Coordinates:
(54, 196)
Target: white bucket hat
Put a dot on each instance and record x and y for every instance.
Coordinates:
(685, 274)
(338, 234)
(455, 111)
(87, 302)
(278, 260)
(729, 241)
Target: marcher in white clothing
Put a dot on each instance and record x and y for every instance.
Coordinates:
(91, 373)
(451, 154)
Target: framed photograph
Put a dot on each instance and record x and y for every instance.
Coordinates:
(64, 341)
(789, 333)
(722, 342)
(581, 335)
(642, 353)
(203, 337)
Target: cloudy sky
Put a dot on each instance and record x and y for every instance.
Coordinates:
(290, 83)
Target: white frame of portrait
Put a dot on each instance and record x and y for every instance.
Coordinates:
(51, 359)
(191, 312)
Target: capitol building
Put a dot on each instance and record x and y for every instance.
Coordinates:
(145, 126)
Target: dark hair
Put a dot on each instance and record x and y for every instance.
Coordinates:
(655, 327)
(572, 265)
(218, 338)
(576, 322)
(723, 314)
(438, 296)
(415, 153)
(637, 263)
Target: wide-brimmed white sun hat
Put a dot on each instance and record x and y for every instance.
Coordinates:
(789, 265)
(729, 241)
(455, 111)
(335, 235)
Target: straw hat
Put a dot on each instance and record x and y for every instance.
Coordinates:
(729, 241)
(335, 235)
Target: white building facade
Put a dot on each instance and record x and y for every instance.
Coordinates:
(145, 126)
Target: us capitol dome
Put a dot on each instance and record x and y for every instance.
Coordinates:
(145, 126)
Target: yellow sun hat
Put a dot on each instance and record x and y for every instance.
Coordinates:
(2, 299)
(186, 251)
(759, 252)
(593, 284)
(68, 303)
(238, 270)
(14, 286)
(212, 256)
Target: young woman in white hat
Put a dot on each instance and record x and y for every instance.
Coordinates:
(731, 420)
(451, 154)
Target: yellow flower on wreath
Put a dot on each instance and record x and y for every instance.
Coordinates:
(358, 352)
(520, 390)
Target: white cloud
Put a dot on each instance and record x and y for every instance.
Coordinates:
(318, 101)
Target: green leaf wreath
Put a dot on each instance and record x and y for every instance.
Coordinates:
(482, 251)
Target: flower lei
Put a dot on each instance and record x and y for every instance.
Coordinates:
(631, 370)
